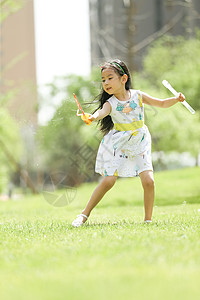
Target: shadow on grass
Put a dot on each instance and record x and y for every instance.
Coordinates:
(114, 225)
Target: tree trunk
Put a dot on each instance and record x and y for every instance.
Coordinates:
(130, 34)
(23, 173)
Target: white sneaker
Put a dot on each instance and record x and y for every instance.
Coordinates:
(79, 220)
(147, 221)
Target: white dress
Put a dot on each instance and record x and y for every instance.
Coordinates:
(125, 151)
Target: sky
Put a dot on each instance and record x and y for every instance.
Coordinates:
(62, 41)
(62, 38)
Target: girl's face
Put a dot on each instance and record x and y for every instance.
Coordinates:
(112, 82)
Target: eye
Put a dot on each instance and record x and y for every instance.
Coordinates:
(103, 80)
(110, 78)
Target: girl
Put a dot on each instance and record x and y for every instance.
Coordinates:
(125, 149)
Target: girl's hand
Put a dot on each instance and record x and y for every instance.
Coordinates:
(86, 118)
(92, 117)
(180, 97)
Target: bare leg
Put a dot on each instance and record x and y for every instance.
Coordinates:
(149, 191)
(105, 185)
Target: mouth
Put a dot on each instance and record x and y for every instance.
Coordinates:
(108, 89)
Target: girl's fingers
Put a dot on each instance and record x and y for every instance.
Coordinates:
(181, 97)
(91, 117)
(86, 118)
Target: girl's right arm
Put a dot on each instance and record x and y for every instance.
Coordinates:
(101, 113)
(164, 103)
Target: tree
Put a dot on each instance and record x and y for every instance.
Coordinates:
(68, 144)
(177, 60)
(9, 139)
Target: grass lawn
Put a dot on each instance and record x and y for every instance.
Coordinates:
(115, 256)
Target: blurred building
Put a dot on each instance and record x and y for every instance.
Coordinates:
(17, 64)
(125, 28)
(18, 90)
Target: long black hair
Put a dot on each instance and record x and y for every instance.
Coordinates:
(106, 124)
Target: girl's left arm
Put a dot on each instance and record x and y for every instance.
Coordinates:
(164, 103)
(101, 113)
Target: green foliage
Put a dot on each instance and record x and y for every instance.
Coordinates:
(177, 60)
(64, 143)
(10, 137)
(85, 88)
(9, 7)
(174, 129)
(66, 137)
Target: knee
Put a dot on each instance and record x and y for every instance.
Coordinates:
(148, 183)
(108, 182)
